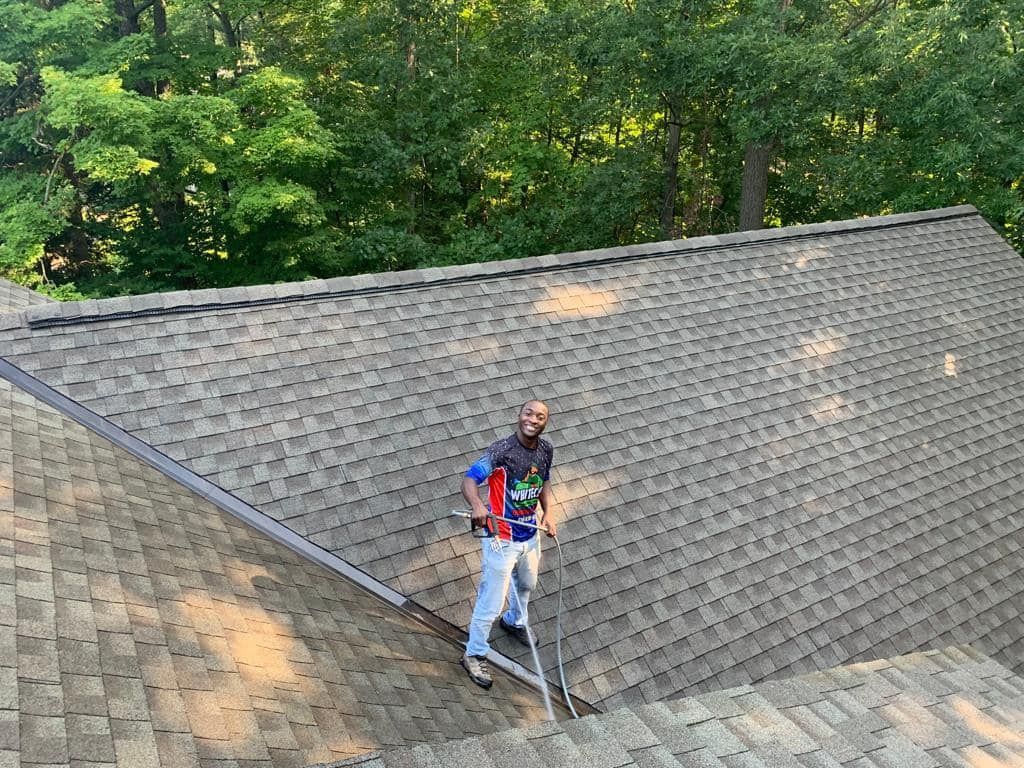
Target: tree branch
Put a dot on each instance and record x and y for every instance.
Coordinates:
(17, 89)
(136, 11)
(857, 23)
(49, 178)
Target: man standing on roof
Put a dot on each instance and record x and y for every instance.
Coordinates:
(517, 470)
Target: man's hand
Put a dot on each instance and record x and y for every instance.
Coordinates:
(479, 516)
(477, 510)
(546, 504)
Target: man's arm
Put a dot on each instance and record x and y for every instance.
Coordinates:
(548, 504)
(478, 473)
(476, 505)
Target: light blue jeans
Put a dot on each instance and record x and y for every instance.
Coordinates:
(508, 567)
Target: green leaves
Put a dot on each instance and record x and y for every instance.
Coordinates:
(105, 163)
(77, 102)
(8, 73)
(180, 143)
(281, 132)
(105, 128)
(271, 201)
(26, 224)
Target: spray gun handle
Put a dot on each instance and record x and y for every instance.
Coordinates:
(485, 531)
(490, 524)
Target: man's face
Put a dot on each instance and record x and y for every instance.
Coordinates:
(532, 419)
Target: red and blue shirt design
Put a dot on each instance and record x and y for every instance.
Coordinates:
(515, 476)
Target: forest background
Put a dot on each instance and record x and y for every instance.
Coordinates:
(150, 145)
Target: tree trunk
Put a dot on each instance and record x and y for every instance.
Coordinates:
(669, 228)
(129, 18)
(756, 157)
(577, 146)
(168, 212)
(79, 252)
(698, 199)
(412, 192)
(160, 18)
(160, 32)
(410, 60)
(754, 188)
(227, 28)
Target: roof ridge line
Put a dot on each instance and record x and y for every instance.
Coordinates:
(245, 512)
(223, 299)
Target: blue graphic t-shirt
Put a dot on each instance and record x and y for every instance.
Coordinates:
(515, 476)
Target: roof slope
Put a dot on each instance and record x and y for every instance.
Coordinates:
(14, 297)
(775, 451)
(140, 625)
(949, 708)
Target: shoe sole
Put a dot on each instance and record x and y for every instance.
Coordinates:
(478, 680)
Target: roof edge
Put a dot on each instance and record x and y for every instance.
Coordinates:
(22, 290)
(222, 299)
(277, 531)
(777, 694)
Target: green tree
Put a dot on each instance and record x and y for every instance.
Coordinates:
(159, 144)
(129, 164)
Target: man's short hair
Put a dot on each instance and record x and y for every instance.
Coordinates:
(534, 400)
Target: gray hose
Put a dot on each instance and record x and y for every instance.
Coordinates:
(558, 635)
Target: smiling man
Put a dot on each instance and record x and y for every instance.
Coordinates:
(517, 471)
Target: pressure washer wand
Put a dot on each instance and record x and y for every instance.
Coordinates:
(558, 613)
(469, 516)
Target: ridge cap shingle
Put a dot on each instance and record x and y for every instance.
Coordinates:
(15, 299)
(222, 299)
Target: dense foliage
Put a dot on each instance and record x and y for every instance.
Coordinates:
(163, 144)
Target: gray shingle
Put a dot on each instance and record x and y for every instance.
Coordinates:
(829, 733)
(149, 627)
(796, 387)
(14, 298)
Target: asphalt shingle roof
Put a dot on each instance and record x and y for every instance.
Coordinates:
(14, 297)
(953, 708)
(142, 626)
(775, 452)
